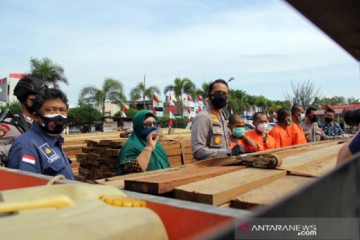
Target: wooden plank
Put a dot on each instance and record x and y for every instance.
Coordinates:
(171, 152)
(166, 182)
(221, 189)
(269, 193)
(183, 157)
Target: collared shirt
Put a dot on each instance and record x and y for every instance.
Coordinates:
(209, 135)
(297, 134)
(281, 136)
(312, 132)
(36, 151)
(263, 143)
(332, 130)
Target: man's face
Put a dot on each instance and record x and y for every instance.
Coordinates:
(329, 115)
(218, 88)
(299, 112)
(312, 115)
(53, 106)
(261, 118)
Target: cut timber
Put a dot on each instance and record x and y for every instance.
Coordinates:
(268, 193)
(221, 189)
(119, 181)
(166, 182)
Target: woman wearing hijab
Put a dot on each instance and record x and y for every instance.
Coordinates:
(142, 151)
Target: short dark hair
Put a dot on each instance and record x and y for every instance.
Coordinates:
(309, 109)
(295, 108)
(255, 117)
(330, 110)
(233, 117)
(48, 94)
(282, 114)
(211, 87)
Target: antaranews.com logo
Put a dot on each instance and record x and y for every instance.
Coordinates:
(298, 228)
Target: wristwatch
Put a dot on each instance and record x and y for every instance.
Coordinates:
(149, 148)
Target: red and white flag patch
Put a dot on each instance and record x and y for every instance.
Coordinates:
(28, 159)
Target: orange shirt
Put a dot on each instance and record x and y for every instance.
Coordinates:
(282, 137)
(239, 141)
(297, 134)
(269, 144)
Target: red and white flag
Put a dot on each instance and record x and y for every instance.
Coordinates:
(274, 114)
(267, 115)
(189, 98)
(171, 112)
(171, 122)
(201, 103)
(154, 111)
(123, 108)
(231, 109)
(155, 101)
(245, 111)
(28, 159)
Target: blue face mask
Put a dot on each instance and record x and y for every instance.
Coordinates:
(238, 132)
(146, 131)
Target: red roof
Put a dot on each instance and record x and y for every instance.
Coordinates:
(16, 75)
(343, 106)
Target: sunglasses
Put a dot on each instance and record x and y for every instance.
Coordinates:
(148, 124)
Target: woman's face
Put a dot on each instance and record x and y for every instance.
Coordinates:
(150, 122)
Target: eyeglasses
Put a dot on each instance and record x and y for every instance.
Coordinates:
(148, 124)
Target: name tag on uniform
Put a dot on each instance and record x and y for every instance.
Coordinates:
(49, 153)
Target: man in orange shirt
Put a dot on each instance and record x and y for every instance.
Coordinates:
(297, 133)
(281, 132)
(237, 131)
(259, 135)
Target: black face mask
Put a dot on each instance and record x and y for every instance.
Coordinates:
(313, 119)
(218, 100)
(53, 124)
(327, 119)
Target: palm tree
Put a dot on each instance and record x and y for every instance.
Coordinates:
(48, 71)
(180, 87)
(203, 91)
(140, 91)
(112, 90)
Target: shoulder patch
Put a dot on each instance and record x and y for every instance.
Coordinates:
(4, 129)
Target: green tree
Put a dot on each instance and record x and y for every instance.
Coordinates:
(352, 100)
(180, 87)
(304, 93)
(203, 91)
(83, 116)
(112, 90)
(47, 70)
(14, 107)
(140, 91)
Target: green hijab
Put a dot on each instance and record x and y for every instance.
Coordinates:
(137, 142)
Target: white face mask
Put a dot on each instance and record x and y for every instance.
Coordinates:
(262, 127)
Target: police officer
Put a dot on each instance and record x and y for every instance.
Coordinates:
(14, 125)
(209, 130)
(39, 150)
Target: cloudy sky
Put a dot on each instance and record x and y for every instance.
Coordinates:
(263, 44)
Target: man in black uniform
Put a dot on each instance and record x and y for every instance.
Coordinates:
(12, 126)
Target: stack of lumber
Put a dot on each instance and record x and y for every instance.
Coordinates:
(98, 159)
(213, 183)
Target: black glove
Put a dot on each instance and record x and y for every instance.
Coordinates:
(237, 150)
